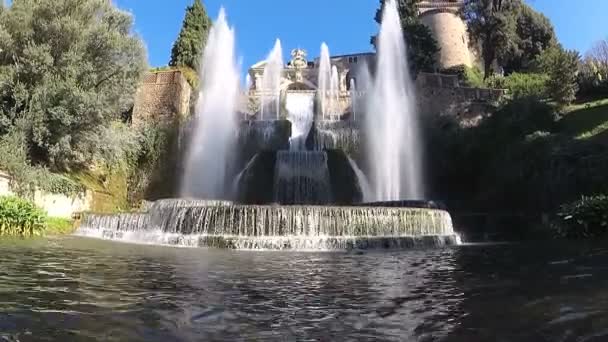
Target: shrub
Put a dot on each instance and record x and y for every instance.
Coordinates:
(592, 78)
(19, 217)
(25, 178)
(527, 85)
(585, 218)
(59, 226)
(468, 76)
(562, 68)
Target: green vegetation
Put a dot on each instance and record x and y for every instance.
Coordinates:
(492, 24)
(188, 48)
(509, 32)
(526, 158)
(585, 218)
(68, 69)
(19, 217)
(422, 46)
(468, 76)
(534, 34)
(522, 85)
(64, 100)
(59, 226)
(561, 66)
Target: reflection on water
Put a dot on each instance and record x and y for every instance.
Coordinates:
(76, 289)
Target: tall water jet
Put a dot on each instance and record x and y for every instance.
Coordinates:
(300, 111)
(248, 82)
(334, 92)
(271, 82)
(324, 78)
(391, 122)
(213, 140)
(353, 98)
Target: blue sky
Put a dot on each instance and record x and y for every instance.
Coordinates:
(345, 25)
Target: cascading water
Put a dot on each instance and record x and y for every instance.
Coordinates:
(302, 177)
(300, 109)
(324, 79)
(271, 83)
(391, 124)
(366, 189)
(212, 142)
(225, 225)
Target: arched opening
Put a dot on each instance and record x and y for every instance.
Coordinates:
(299, 86)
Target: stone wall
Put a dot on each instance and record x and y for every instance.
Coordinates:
(162, 97)
(439, 94)
(55, 205)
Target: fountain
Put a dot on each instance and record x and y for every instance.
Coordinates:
(271, 82)
(324, 78)
(392, 131)
(212, 144)
(300, 185)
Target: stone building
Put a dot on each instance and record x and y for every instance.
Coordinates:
(163, 96)
(450, 31)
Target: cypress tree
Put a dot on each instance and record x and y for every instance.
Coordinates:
(188, 48)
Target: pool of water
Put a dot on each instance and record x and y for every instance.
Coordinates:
(76, 289)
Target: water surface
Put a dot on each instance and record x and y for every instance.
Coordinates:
(76, 289)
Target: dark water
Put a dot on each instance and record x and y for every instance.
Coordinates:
(84, 290)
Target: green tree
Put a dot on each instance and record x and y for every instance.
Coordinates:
(421, 45)
(188, 48)
(492, 25)
(562, 68)
(68, 68)
(534, 34)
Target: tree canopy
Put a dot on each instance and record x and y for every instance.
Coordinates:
(68, 68)
(492, 25)
(421, 45)
(188, 48)
(562, 67)
(533, 34)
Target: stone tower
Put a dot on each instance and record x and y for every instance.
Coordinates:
(450, 31)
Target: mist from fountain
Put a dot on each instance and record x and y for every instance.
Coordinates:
(212, 144)
(391, 125)
(324, 79)
(271, 82)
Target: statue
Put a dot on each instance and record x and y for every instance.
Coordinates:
(298, 59)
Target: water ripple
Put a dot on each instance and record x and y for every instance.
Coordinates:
(80, 290)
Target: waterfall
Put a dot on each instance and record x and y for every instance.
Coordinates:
(324, 79)
(271, 82)
(392, 128)
(302, 177)
(212, 144)
(222, 224)
(300, 109)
